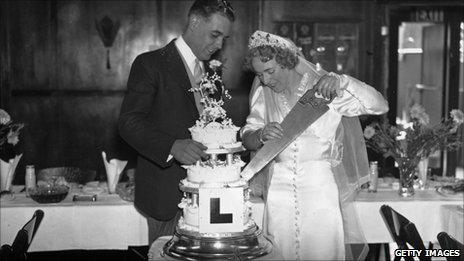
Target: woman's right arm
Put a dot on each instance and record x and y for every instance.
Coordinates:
(251, 133)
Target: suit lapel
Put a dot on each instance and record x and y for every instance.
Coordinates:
(175, 67)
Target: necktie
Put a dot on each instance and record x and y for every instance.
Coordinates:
(197, 72)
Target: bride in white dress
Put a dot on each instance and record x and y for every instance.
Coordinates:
(303, 215)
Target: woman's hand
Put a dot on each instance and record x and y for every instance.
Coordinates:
(328, 86)
(271, 131)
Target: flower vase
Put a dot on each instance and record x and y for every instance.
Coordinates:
(407, 170)
(422, 169)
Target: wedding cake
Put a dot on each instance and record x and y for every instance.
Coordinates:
(217, 220)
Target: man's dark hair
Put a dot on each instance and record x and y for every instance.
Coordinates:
(206, 8)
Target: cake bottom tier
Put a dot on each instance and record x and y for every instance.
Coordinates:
(248, 244)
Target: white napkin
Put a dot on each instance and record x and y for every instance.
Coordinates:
(7, 171)
(114, 167)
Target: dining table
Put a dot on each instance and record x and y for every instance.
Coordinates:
(430, 211)
(114, 223)
(107, 223)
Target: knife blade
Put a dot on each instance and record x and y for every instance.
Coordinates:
(306, 111)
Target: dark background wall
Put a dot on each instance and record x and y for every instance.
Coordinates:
(54, 76)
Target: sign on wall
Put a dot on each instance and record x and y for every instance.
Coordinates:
(221, 210)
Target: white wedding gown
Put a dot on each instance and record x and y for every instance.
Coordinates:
(303, 215)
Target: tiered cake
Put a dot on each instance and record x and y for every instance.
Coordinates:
(217, 220)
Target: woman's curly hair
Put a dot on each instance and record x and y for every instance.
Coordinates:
(284, 57)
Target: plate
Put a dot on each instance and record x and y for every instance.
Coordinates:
(6, 196)
(126, 191)
(447, 191)
(95, 188)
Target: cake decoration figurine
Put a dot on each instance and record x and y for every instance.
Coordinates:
(214, 129)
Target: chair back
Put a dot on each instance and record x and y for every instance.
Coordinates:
(403, 232)
(22, 241)
(447, 242)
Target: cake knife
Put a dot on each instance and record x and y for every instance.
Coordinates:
(306, 111)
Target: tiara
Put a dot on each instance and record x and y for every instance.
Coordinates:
(260, 38)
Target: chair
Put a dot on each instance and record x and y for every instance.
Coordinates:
(447, 242)
(22, 241)
(403, 231)
(137, 253)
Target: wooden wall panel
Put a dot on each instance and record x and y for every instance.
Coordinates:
(59, 84)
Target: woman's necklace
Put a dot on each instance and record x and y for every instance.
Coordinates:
(302, 87)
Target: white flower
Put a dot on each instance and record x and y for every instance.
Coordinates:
(208, 85)
(369, 132)
(416, 109)
(4, 117)
(214, 64)
(424, 119)
(418, 112)
(214, 112)
(404, 123)
(458, 116)
(401, 136)
(12, 138)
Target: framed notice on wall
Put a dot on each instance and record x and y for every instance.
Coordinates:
(335, 46)
(221, 210)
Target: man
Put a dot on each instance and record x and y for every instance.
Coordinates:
(158, 109)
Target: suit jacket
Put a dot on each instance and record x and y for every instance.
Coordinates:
(157, 109)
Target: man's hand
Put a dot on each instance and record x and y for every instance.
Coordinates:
(188, 151)
(271, 131)
(328, 86)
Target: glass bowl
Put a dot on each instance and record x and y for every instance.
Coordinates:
(70, 174)
(48, 194)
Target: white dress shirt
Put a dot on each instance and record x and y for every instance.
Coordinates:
(189, 57)
(187, 53)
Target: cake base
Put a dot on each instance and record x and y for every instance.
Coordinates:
(249, 245)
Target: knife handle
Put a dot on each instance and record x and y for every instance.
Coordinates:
(310, 98)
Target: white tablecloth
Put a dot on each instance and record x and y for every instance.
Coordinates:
(424, 209)
(452, 221)
(111, 223)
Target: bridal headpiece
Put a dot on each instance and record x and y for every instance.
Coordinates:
(260, 38)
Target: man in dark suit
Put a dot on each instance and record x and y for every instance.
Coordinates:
(158, 109)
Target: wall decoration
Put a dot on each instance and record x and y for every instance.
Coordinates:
(304, 37)
(333, 45)
(107, 30)
(284, 29)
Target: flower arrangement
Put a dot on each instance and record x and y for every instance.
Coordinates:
(409, 142)
(209, 84)
(9, 131)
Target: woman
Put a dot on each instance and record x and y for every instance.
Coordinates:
(306, 180)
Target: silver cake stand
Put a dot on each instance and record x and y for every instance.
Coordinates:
(246, 245)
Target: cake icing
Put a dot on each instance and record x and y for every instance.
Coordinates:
(215, 135)
(215, 171)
